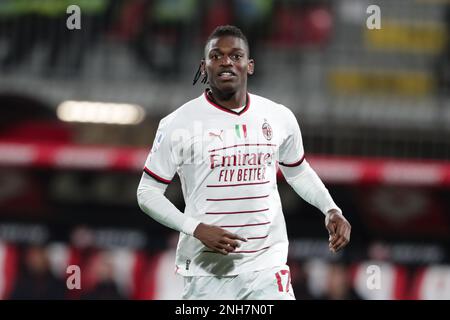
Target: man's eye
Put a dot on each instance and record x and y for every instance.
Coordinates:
(215, 56)
(236, 56)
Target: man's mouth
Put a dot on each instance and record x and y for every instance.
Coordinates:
(226, 75)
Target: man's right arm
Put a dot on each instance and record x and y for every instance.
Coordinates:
(151, 200)
(160, 166)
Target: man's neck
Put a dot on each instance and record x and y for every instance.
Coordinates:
(233, 100)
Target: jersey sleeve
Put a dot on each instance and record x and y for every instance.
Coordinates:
(291, 150)
(161, 163)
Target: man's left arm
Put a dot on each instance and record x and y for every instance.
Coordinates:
(305, 181)
(307, 184)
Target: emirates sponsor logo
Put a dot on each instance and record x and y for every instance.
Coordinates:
(241, 159)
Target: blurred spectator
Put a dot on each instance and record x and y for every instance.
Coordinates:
(216, 13)
(42, 23)
(254, 18)
(69, 48)
(35, 279)
(24, 25)
(100, 283)
(135, 23)
(128, 18)
(299, 281)
(160, 280)
(338, 283)
(166, 32)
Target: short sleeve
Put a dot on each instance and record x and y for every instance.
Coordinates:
(291, 150)
(161, 164)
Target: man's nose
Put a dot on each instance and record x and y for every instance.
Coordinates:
(226, 61)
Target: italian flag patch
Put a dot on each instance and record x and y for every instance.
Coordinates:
(241, 130)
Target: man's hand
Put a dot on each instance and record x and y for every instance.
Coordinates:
(339, 230)
(217, 238)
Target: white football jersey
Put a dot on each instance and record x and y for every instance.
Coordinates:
(227, 164)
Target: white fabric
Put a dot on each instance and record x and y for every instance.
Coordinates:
(305, 181)
(169, 286)
(152, 201)
(268, 284)
(227, 167)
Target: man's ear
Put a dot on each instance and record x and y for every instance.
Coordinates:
(203, 67)
(251, 67)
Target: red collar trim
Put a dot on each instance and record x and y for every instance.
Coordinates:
(247, 106)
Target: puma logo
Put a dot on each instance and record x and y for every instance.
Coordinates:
(212, 134)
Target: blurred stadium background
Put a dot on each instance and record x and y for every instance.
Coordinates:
(79, 110)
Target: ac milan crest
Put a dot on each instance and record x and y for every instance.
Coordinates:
(267, 130)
